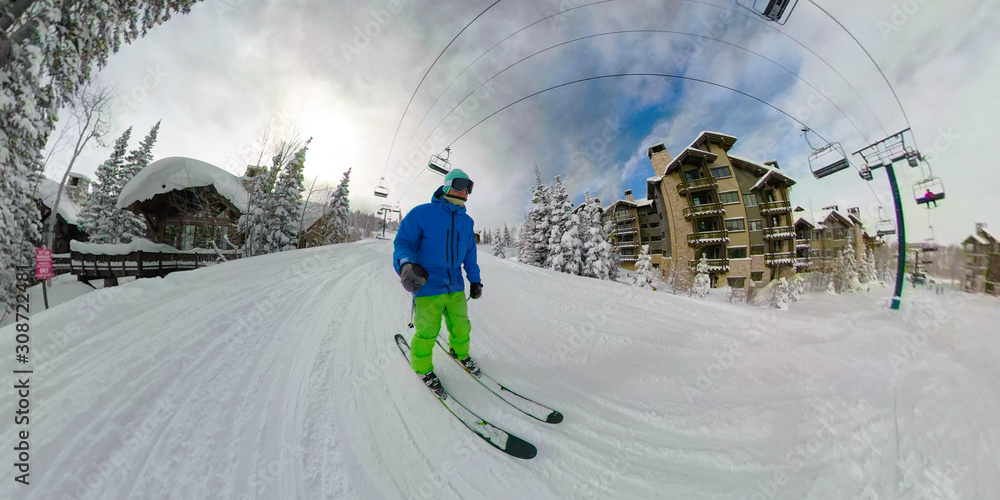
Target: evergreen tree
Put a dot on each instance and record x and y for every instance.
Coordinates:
(506, 236)
(780, 294)
(137, 159)
(644, 269)
(286, 202)
(571, 257)
(498, 245)
(533, 246)
(702, 282)
(252, 223)
(338, 229)
(560, 208)
(100, 217)
(846, 269)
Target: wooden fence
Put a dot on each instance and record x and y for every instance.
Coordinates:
(139, 264)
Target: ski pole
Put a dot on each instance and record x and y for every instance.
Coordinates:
(413, 308)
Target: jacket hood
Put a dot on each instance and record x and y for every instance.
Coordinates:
(438, 198)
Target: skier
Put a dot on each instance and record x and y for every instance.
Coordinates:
(432, 244)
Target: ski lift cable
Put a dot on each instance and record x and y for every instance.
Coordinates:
(398, 125)
(617, 75)
(879, 68)
(800, 44)
(618, 32)
(443, 92)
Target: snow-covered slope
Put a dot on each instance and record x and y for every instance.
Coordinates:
(276, 378)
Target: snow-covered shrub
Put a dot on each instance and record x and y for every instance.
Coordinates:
(780, 294)
(644, 269)
(702, 282)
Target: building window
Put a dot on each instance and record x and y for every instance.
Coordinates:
(737, 253)
(692, 175)
(734, 225)
(757, 275)
(736, 282)
(721, 172)
(729, 197)
(751, 200)
(754, 225)
(756, 249)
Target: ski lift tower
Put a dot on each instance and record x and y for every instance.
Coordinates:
(883, 154)
(777, 11)
(384, 211)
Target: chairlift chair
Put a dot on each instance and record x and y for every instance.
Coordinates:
(773, 10)
(828, 160)
(381, 191)
(928, 190)
(440, 164)
(885, 228)
(929, 245)
(866, 173)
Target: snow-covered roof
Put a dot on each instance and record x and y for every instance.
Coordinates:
(68, 208)
(120, 248)
(314, 210)
(176, 173)
(645, 202)
(977, 239)
(768, 168)
(676, 162)
(988, 234)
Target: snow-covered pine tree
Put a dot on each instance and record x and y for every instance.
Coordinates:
(611, 256)
(570, 260)
(137, 159)
(868, 272)
(798, 287)
(846, 269)
(506, 236)
(560, 208)
(253, 224)
(644, 269)
(283, 229)
(337, 228)
(533, 248)
(780, 294)
(100, 216)
(702, 282)
(598, 256)
(498, 245)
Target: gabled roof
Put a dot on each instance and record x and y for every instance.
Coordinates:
(761, 168)
(984, 233)
(975, 239)
(689, 152)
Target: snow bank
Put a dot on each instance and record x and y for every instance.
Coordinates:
(120, 248)
(176, 173)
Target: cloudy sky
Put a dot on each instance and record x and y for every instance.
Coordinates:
(343, 72)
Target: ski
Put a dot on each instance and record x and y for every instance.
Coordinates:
(497, 437)
(527, 406)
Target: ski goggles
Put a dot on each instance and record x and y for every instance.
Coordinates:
(461, 184)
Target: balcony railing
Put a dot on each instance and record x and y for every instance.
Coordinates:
(779, 233)
(714, 265)
(779, 258)
(628, 258)
(775, 207)
(697, 184)
(702, 210)
(801, 244)
(708, 238)
(623, 230)
(802, 263)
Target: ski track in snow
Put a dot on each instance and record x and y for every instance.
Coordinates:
(277, 377)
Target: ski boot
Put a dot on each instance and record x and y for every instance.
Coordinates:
(434, 384)
(468, 363)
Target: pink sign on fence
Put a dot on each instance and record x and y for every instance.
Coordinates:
(43, 264)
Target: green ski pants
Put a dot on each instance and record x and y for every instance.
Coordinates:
(428, 312)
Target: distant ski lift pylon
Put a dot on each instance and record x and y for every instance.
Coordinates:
(827, 160)
(773, 10)
(929, 190)
(381, 191)
(440, 164)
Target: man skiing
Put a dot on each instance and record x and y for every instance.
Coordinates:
(435, 240)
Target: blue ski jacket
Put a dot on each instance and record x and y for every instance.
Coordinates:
(439, 237)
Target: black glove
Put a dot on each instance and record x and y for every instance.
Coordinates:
(413, 277)
(475, 290)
